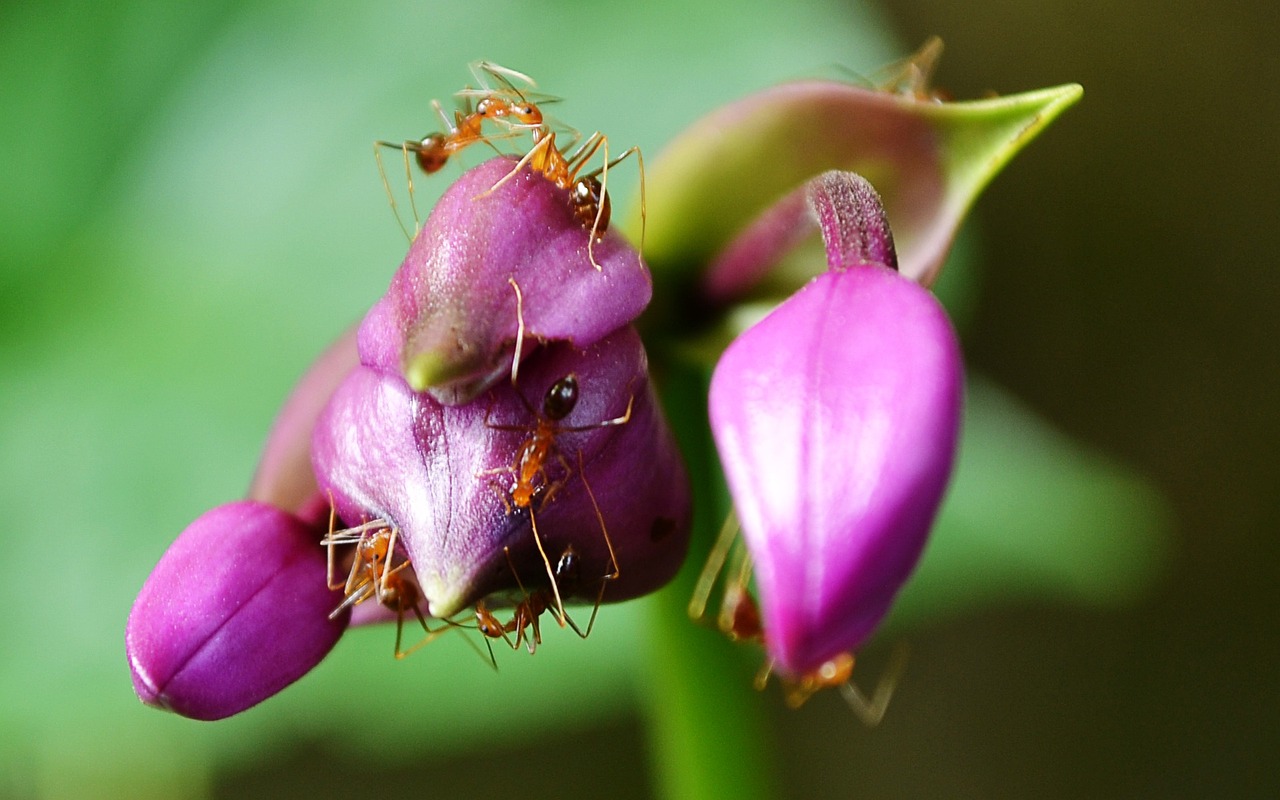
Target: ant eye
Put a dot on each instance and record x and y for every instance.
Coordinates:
(561, 398)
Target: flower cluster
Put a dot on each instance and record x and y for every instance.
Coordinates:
(496, 416)
(489, 436)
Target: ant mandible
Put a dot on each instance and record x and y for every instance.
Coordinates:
(739, 619)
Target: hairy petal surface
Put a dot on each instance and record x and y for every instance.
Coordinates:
(236, 610)
(836, 418)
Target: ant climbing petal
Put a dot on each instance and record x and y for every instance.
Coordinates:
(633, 472)
(529, 469)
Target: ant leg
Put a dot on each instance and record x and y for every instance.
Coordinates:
(596, 233)
(387, 571)
(524, 616)
(603, 172)
(550, 488)
(573, 164)
(522, 428)
(357, 566)
(493, 662)
(501, 492)
(449, 124)
(613, 557)
(345, 536)
(431, 635)
(715, 563)
(622, 420)
(329, 543)
(504, 75)
(644, 219)
(363, 592)
(551, 573)
(519, 351)
(872, 711)
(386, 186)
(539, 148)
(413, 197)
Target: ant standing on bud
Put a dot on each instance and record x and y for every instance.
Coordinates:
(739, 619)
(530, 482)
(373, 575)
(511, 108)
(588, 193)
(506, 104)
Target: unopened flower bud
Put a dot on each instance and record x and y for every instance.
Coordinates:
(449, 322)
(836, 418)
(236, 610)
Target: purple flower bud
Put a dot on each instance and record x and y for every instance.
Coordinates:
(236, 610)
(448, 322)
(447, 478)
(283, 477)
(836, 418)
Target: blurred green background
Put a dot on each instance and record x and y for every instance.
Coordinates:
(191, 212)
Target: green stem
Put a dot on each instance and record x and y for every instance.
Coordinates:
(707, 728)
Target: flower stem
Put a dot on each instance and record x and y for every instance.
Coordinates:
(708, 732)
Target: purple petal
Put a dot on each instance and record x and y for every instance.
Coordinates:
(236, 610)
(434, 472)
(449, 320)
(836, 419)
(283, 477)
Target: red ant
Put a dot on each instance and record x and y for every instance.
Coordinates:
(373, 576)
(530, 479)
(588, 194)
(739, 619)
(506, 104)
(512, 108)
(524, 621)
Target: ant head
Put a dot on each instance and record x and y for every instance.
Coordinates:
(430, 153)
(527, 113)
(561, 398)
